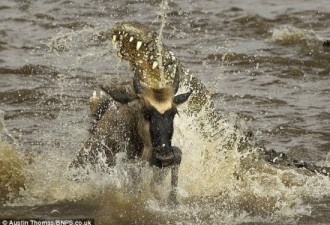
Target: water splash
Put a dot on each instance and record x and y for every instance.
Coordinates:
(12, 162)
(287, 35)
(222, 178)
(162, 16)
(4, 134)
(307, 42)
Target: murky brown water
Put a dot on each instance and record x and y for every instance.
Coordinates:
(264, 63)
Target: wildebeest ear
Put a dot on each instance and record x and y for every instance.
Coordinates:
(179, 99)
(120, 93)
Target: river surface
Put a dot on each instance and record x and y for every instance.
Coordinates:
(263, 62)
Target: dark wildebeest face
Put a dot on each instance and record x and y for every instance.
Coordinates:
(157, 109)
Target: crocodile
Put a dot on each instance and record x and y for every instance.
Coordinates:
(140, 46)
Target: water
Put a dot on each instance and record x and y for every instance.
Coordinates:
(264, 64)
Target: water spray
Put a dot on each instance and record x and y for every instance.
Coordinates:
(163, 16)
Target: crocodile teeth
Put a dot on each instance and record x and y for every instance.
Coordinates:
(114, 37)
(154, 65)
(138, 45)
(131, 39)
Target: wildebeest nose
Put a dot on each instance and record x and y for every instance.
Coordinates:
(166, 149)
(162, 156)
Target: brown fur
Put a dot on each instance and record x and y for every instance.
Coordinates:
(161, 99)
(117, 130)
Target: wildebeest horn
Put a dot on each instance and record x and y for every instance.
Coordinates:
(176, 81)
(136, 82)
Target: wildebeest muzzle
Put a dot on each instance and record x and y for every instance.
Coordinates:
(165, 157)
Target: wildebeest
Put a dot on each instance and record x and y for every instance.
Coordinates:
(141, 122)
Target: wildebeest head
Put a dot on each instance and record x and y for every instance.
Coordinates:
(158, 107)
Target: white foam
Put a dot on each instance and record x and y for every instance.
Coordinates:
(288, 34)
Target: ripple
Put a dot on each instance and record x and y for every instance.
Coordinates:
(30, 69)
(20, 96)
